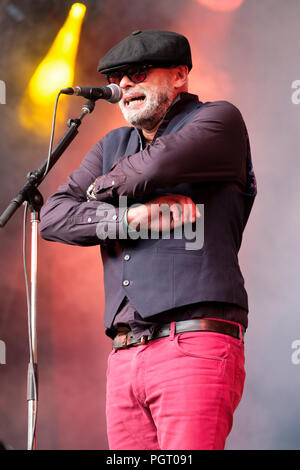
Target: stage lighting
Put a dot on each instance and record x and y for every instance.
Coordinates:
(221, 5)
(55, 71)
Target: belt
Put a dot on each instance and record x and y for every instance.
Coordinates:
(125, 340)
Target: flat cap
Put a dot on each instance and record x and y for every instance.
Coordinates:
(159, 48)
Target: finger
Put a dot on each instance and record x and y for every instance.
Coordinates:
(185, 211)
(189, 210)
(194, 210)
(176, 214)
(177, 208)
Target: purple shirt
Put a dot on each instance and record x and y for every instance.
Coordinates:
(70, 218)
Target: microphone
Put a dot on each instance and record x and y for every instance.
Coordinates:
(111, 93)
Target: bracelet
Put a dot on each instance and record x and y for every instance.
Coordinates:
(90, 191)
(125, 218)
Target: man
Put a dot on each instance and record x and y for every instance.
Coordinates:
(177, 315)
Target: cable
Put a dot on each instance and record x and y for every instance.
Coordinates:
(51, 136)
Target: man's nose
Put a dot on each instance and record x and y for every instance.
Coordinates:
(126, 82)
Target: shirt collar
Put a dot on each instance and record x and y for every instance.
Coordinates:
(179, 102)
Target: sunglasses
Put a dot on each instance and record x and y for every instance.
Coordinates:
(136, 74)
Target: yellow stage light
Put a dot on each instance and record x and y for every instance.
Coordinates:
(56, 71)
(78, 10)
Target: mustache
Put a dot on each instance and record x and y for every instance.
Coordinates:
(133, 94)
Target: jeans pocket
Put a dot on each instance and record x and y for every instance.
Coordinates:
(202, 345)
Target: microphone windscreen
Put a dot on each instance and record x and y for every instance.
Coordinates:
(117, 93)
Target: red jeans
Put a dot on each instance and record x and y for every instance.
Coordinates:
(174, 393)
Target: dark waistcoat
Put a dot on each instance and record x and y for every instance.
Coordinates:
(160, 274)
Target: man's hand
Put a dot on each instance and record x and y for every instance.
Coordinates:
(163, 213)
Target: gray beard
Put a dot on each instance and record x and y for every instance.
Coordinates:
(157, 103)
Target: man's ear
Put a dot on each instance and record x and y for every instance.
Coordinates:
(181, 76)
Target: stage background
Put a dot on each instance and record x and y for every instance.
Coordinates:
(248, 56)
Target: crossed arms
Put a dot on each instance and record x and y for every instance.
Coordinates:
(212, 147)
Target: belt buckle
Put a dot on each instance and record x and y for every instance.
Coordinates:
(125, 339)
(144, 340)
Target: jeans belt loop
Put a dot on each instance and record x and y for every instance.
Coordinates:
(241, 334)
(172, 330)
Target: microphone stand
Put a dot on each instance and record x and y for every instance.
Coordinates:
(30, 194)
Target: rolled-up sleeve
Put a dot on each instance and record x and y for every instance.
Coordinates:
(68, 216)
(212, 147)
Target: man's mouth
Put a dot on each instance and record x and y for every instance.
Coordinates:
(138, 98)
